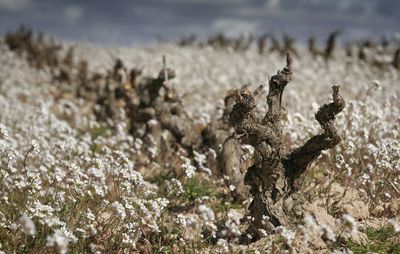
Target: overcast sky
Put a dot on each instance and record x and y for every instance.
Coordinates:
(125, 22)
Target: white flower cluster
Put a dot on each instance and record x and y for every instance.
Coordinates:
(3, 132)
(59, 178)
(27, 225)
(232, 225)
(59, 240)
(174, 186)
(350, 224)
(395, 225)
(190, 170)
(35, 146)
(287, 234)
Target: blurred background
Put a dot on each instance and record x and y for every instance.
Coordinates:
(128, 22)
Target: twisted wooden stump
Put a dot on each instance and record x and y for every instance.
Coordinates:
(275, 169)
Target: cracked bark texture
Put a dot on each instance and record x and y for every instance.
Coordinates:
(232, 162)
(272, 175)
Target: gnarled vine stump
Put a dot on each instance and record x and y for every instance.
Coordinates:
(271, 177)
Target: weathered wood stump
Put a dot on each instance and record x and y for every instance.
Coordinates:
(232, 164)
(271, 178)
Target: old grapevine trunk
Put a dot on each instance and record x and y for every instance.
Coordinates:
(271, 177)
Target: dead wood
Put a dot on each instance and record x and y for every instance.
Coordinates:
(331, 45)
(275, 169)
(231, 158)
(396, 59)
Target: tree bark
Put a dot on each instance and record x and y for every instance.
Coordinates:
(274, 171)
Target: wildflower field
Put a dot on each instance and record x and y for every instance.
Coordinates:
(146, 149)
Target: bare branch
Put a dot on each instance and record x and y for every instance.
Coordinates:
(299, 159)
(277, 84)
(243, 119)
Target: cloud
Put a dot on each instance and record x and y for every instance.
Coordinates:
(143, 20)
(14, 5)
(73, 13)
(389, 8)
(234, 27)
(202, 1)
(272, 5)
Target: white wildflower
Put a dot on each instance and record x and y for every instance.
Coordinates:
(89, 215)
(206, 213)
(119, 209)
(59, 240)
(350, 224)
(175, 186)
(35, 146)
(181, 220)
(310, 223)
(94, 248)
(138, 144)
(201, 160)
(95, 173)
(263, 232)
(232, 224)
(287, 234)
(54, 221)
(27, 225)
(395, 225)
(190, 170)
(3, 132)
(223, 244)
(327, 233)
